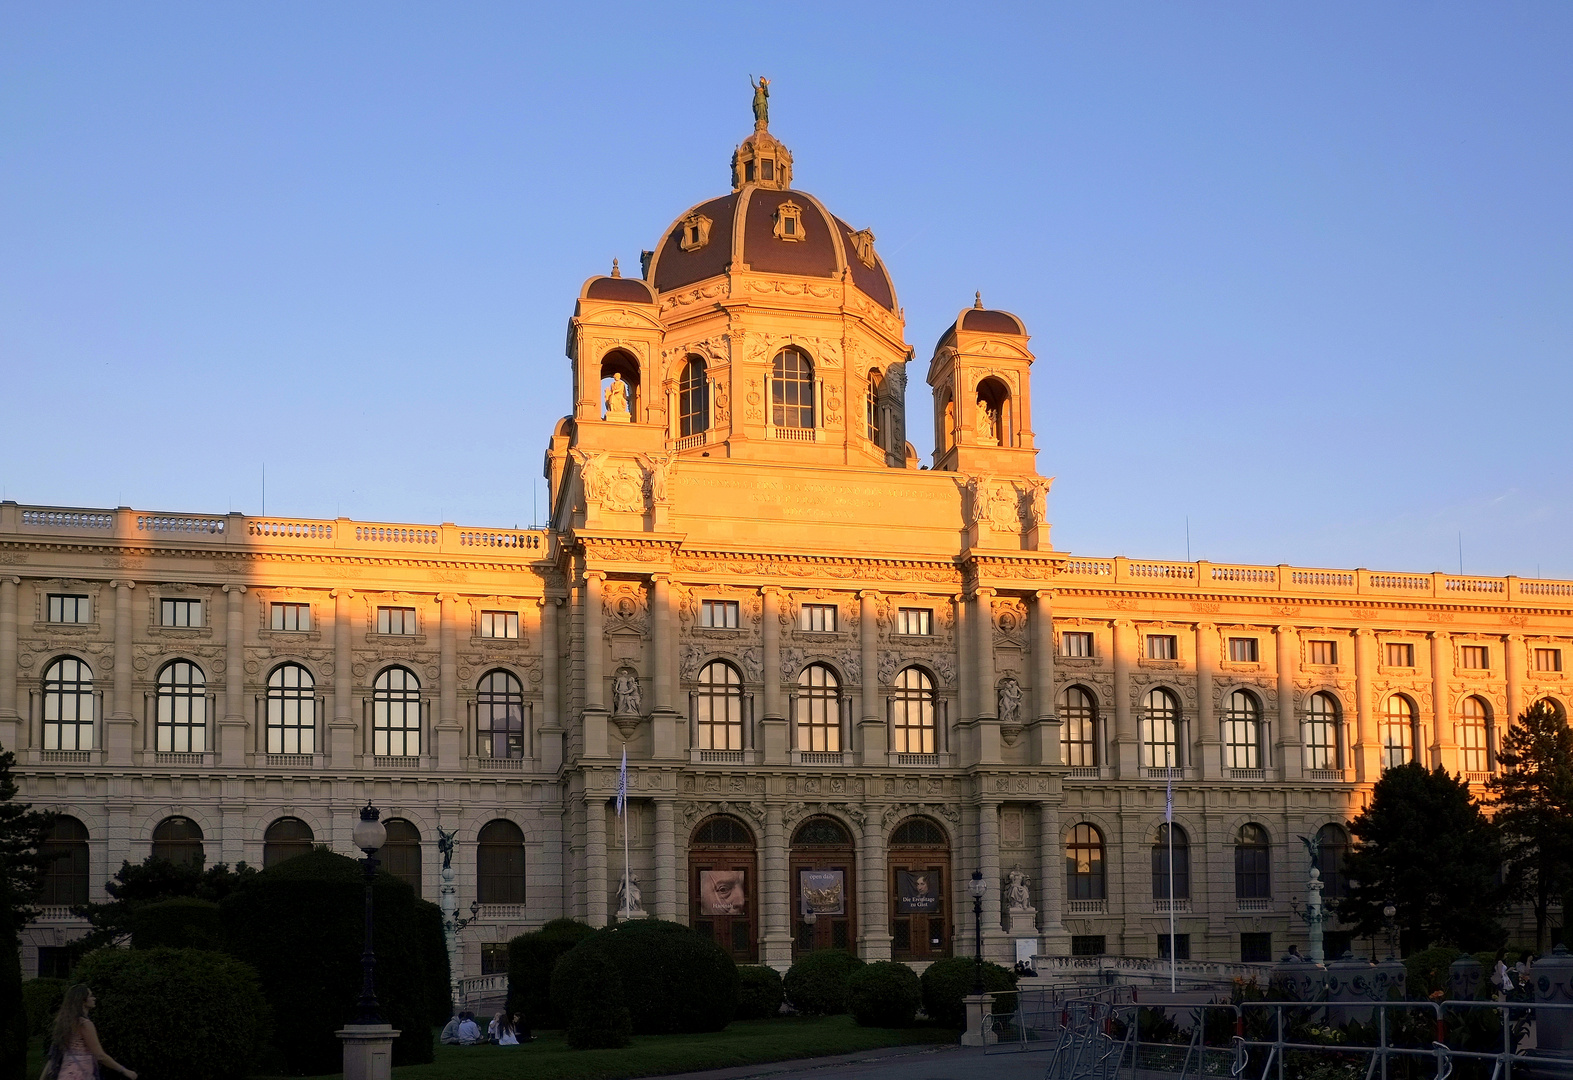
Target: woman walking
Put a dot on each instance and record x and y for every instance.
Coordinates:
(74, 1050)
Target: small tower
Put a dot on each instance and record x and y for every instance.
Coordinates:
(982, 395)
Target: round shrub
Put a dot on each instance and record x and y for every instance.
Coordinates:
(42, 998)
(673, 979)
(181, 923)
(946, 982)
(817, 984)
(760, 995)
(884, 994)
(300, 924)
(593, 1001)
(531, 959)
(180, 1014)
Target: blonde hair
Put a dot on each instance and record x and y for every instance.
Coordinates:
(73, 1007)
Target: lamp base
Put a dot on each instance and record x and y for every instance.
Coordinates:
(980, 1029)
(368, 1051)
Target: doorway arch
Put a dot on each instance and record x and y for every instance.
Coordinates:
(824, 886)
(723, 886)
(919, 878)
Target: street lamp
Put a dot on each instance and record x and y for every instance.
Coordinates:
(977, 887)
(1388, 913)
(370, 835)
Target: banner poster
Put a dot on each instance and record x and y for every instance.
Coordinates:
(822, 892)
(723, 892)
(917, 892)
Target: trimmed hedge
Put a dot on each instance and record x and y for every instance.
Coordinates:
(300, 924)
(760, 994)
(593, 998)
(884, 994)
(531, 958)
(946, 982)
(42, 997)
(178, 1014)
(13, 1013)
(817, 984)
(182, 923)
(434, 959)
(673, 979)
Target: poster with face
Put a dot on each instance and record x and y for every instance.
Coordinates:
(723, 892)
(822, 892)
(917, 892)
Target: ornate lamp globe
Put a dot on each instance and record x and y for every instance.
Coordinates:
(977, 886)
(370, 834)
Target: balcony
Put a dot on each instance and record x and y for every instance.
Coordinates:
(1253, 904)
(1086, 907)
(1182, 906)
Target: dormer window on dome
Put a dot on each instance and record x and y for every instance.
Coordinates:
(695, 231)
(789, 221)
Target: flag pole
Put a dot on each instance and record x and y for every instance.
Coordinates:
(622, 812)
(1168, 817)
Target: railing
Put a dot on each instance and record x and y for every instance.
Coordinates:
(688, 442)
(1477, 777)
(501, 911)
(55, 913)
(67, 757)
(1247, 774)
(1089, 567)
(1545, 588)
(1245, 574)
(1324, 774)
(1167, 571)
(1181, 905)
(291, 530)
(67, 519)
(1083, 772)
(818, 757)
(720, 757)
(530, 541)
(1475, 585)
(1336, 578)
(395, 761)
(926, 760)
(794, 434)
(1086, 907)
(501, 764)
(162, 523)
(396, 534)
(166, 757)
(291, 761)
(483, 986)
(1256, 903)
(1399, 581)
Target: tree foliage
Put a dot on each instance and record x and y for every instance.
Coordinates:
(1425, 845)
(154, 881)
(1533, 799)
(22, 865)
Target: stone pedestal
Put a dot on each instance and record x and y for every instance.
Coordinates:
(979, 1006)
(1351, 980)
(1023, 922)
(1463, 978)
(368, 1051)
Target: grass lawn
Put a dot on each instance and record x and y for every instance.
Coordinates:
(744, 1042)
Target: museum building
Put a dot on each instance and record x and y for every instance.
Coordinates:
(844, 680)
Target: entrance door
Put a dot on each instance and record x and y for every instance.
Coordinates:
(919, 878)
(723, 886)
(824, 887)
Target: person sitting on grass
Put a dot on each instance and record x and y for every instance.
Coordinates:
(450, 1032)
(469, 1031)
(503, 1031)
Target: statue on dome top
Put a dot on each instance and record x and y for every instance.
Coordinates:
(761, 102)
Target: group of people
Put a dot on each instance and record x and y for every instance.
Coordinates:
(503, 1030)
(1505, 980)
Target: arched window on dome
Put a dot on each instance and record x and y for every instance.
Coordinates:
(876, 434)
(792, 390)
(993, 419)
(947, 423)
(620, 365)
(693, 399)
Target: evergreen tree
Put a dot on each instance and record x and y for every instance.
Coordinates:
(1425, 846)
(23, 831)
(1533, 795)
(136, 885)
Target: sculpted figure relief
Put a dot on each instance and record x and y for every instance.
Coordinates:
(761, 101)
(617, 400)
(630, 898)
(445, 845)
(1016, 895)
(1009, 701)
(986, 424)
(625, 692)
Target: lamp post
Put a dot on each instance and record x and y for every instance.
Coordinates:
(977, 887)
(1389, 911)
(370, 835)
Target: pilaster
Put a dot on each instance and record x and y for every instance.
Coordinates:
(594, 720)
(1514, 667)
(1051, 890)
(11, 725)
(550, 730)
(1444, 747)
(596, 883)
(1287, 749)
(232, 725)
(1046, 732)
(665, 861)
(449, 733)
(1209, 741)
(773, 726)
(120, 726)
(1126, 747)
(873, 733)
(1368, 751)
(667, 727)
(986, 733)
(873, 870)
(342, 731)
(775, 898)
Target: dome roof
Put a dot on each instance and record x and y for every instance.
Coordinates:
(618, 288)
(981, 320)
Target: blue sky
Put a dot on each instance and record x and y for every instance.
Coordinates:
(1302, 274)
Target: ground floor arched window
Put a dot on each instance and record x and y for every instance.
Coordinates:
(919, 876)
(723, 886)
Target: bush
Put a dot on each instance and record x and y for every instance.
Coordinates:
(946, 982)
(884, 994)
(300, 924)
(182, 923)
(817, 984)
(434, 962)
(531, 959)
(760, 994)
(673, 979)
(590, 990)
(179, 1014)
(1428, 970)
(42, 999)
(13, 1013)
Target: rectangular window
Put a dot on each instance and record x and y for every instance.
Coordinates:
(1323, 652)
(1181, 949)
(500, 624)
(1400, 654)
(182, 613)
(1548, 659)
(1242, 650)
(1076, 643)
(494, 959)
(817, 618)
(1162, 647)
(1474, 656)
(718, 614)
(915, 622)
(1256, 948)
(54, 961)
(1088, 945)
(396, 620)
(70, 609)
(289, 616)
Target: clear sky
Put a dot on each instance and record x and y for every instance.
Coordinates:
(1300, 273)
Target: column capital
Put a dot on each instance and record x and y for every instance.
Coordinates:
(1436, 635)
(1206, 626)
(769, 590)
(346, 593)
(984, 591)
(1043, 594)
(122, 583)
(868, 594)
(1283, 631)
(661, 577)
(8, 578)
(447, 597)
(235, 588)
(594, 575)
(1363, 631)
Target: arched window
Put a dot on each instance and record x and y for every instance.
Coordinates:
(1084, 876)
(1242, 731)
(401, 852)
(1253, 878)
(178, 840)
(619, 364)
(68, 705)
(499, 716)
(396, 714)
(1397, 732)
(65, 875)
(1321, 733)
(993, 413)
(286, 838)
(693, 398)
(1160, 728)
(948, 423)
(292, 711)
(822, 864)
(718, 708)
(919, 876)
(918, 832)
(1182, 864)
(1078, 728)
(818, 709)
(792, 390)
(1474, 741)
(499, 863)
(724, 831)
(912, 712)
(182, 723)
(875, 435)
(1554, 705)
(1332, 846)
